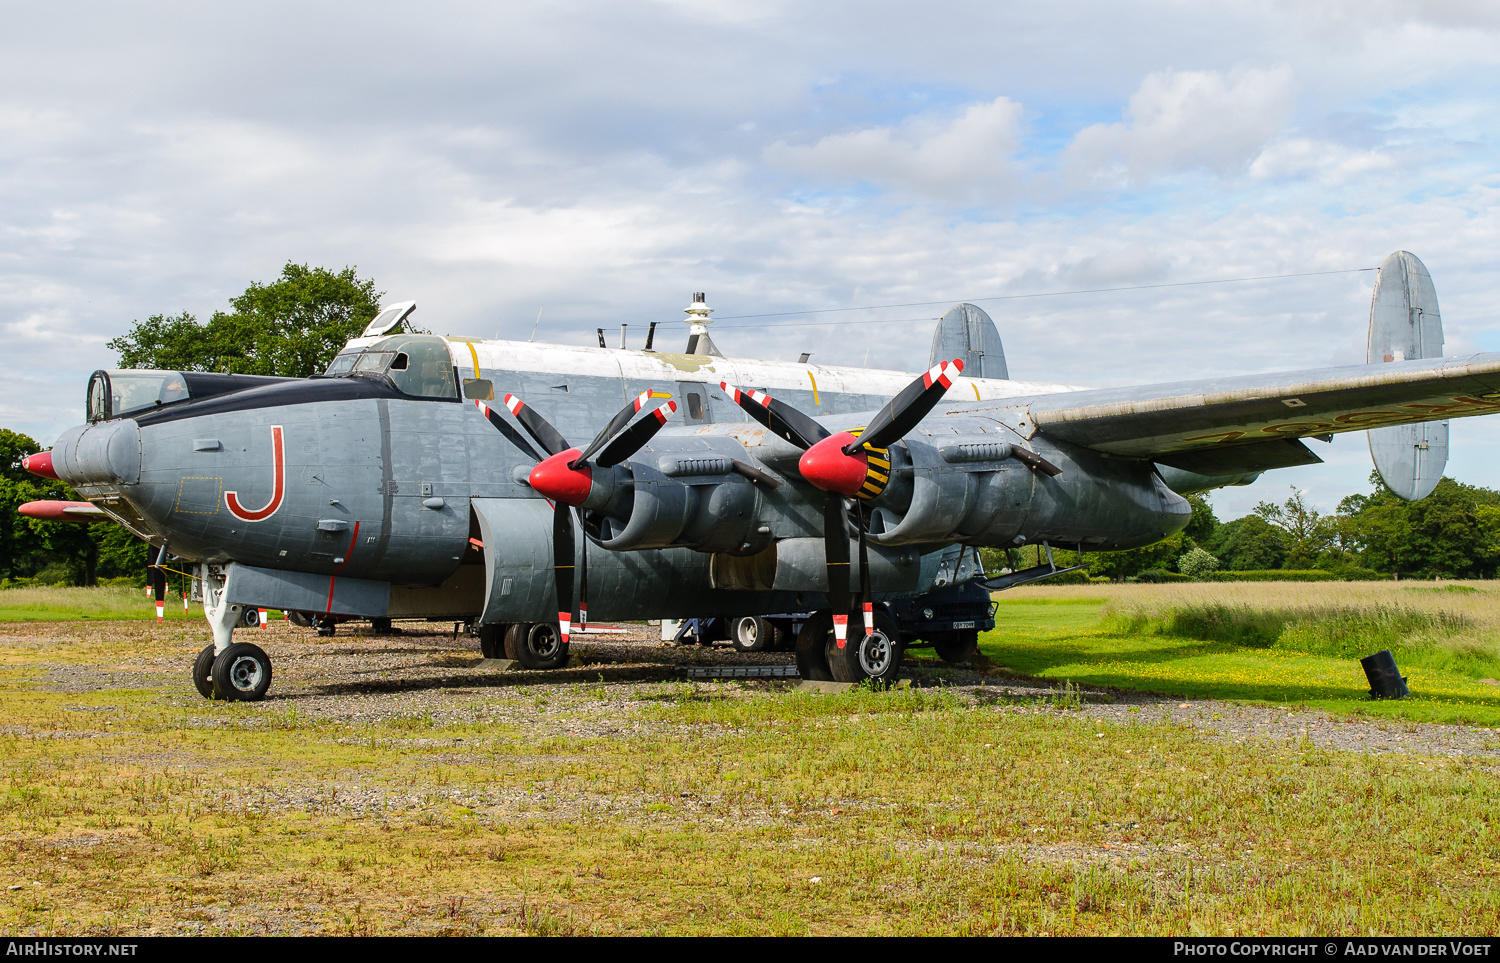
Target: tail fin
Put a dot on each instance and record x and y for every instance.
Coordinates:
(968, 334)
(1405, 326)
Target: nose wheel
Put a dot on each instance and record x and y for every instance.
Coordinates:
(241, 673)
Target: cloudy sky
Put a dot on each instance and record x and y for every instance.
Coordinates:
(598, 162)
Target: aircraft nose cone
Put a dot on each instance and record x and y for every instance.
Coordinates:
(555, 480)
(827, 467)
(40, 464)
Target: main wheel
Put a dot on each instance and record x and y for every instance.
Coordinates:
(250, 618)
(241, 673)
(492, 641)
(958, 647)
(812, 657)
(751, 633)
(536, 645)
(875, 657)
(203, 668)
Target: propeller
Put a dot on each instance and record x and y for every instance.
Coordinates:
(565, 476)
(839, 464)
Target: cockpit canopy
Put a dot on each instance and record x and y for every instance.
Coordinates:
(418, 364)
(119, 393)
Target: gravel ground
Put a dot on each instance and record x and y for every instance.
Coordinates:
(424, 672)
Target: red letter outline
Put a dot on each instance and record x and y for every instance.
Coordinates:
(232, 500)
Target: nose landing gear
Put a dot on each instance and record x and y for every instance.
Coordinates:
(228, 670)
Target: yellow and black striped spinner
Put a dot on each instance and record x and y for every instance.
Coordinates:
(878, 474)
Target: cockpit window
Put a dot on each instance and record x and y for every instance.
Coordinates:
(115, 393)
(342, 364)
(418, 365)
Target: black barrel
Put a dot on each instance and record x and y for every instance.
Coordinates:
(1386, 681)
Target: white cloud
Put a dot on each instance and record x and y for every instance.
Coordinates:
(969, 157)
(1328, 162)
(1186, 120)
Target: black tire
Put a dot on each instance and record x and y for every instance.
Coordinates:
(751, 633)
(956, 648)
(492, 640)
(241, 673)
(812, 657)
(536, 645)
(250, 618)
(873, 658)
(300, 619)
(203, 668)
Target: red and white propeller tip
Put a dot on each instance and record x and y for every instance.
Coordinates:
(943, 373)
(736, 394)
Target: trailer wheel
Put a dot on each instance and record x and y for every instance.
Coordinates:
(751, 633)
(958, 647)
(812, 643)
(875, 657)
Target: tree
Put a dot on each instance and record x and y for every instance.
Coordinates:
(1452, 533)
(1308, 533)
(1249, 544)
(291, 327)
(1197, 564)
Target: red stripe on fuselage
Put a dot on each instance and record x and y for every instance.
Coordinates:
(278, 490)
(347, 553)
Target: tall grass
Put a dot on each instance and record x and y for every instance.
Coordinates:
(1450, 626)
(52, 603)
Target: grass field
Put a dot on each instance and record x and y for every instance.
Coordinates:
(56, 604)
(1282, 643)
(578, 803)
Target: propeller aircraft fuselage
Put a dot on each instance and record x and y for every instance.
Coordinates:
(431, 477)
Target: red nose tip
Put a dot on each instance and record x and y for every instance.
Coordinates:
(40, 464)
(555, 480)
(827, 467)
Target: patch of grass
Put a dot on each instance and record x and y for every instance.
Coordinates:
(58, 603)
(1267, 643)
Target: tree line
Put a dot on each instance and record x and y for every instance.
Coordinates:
(1453, 533)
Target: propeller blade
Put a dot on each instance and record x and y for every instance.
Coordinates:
(902, 412)
(562, 566)
(866, 598)
(836, 552)
(536, 426)
(781, 418)
(619, 421)
(583, 575)
(503, 426)
(632, 439)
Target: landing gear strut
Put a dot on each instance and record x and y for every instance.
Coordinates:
(228, 670)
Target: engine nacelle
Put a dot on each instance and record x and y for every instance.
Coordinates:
(691, 496)
(971, 486)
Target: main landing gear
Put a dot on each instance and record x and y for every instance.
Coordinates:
(225, 669)
(862, 658)
(535, 645)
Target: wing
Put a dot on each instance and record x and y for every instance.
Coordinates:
(1211, 426)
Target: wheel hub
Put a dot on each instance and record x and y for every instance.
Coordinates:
(875, 652)
(245, 673)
